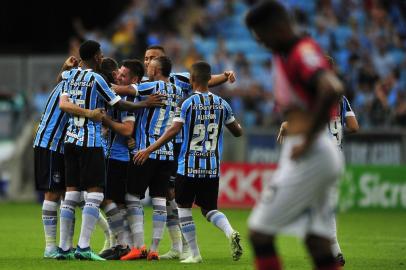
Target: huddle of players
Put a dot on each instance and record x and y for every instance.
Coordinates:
(173, 126)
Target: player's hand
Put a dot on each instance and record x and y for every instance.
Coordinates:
(97, 115)
(131, 143)
(155, 100)
(230, 75)
(282, 133)
(141, 156)
(105, 131)
(71, 62)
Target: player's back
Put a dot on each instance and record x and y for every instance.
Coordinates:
(204, 116)
(152, 122)
(88, 90)
(53, 122)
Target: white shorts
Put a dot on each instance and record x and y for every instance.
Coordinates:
(296, 200)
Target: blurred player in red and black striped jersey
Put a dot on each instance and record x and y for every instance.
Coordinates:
(296, 200)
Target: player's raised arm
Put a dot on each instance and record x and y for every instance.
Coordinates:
(282, 132)
(217, 79)
(70, 63)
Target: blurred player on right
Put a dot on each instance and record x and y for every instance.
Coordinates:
(342, 117)
(296, 200)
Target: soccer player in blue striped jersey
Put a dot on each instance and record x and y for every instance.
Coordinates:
(181, 79)
(121, 126)
(202, 117)
(154, 174)
(84, 157)
(48, 157)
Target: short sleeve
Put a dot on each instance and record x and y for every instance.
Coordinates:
(105, 92)
(65, 74)
(145, 88)
(309, 60)
(126, 115)
(347, 107)
(181, 113)
(182, 80)
(229, 115)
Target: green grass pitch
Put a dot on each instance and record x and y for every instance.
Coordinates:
(370, 240)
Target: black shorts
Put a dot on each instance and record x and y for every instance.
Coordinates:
(176, 152)
(84, 166)
(49, 170)
(201, 191)
(116, 180)
(153, 174)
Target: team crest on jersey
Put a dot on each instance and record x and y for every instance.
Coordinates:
(56, 177)
(310, 55)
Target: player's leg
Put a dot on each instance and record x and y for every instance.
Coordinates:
(158, 189)
(115, 191)
(319, 248)
(263, 245)
(335, 246)
(172, 223)
(49, 221)
(50, 178)
(93, 175)
(138, 180)
(70, 202)
(185, 197)
(206, 198)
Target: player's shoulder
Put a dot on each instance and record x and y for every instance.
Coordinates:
(308, 50)
(181, 76)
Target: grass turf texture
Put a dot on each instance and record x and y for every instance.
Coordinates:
(370, 240)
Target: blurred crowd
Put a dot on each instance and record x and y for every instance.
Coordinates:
(367, 39)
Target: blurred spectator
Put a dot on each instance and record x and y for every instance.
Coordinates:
(367, 39)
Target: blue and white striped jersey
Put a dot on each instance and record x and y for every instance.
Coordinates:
(204, 116)
(117, 144)
(153, 122)
(337, 121)
(88, 90)
(53, 124)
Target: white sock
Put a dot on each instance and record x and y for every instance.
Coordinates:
(135, 217)
(172, 223)
(116, 221)
(220, 221)
(50, 220)
(127, 235)
(90, 215)
(104, 225)
(158, 221)
(335, 247)
(188, 229)
(72, 232)
(67, 215)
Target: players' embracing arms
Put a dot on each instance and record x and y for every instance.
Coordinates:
(329, 89)
(68, 107)
(125, 128)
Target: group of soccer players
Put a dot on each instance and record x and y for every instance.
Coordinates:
(82, 154)
(176, 126)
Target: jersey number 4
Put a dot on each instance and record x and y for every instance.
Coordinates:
(200, 131)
